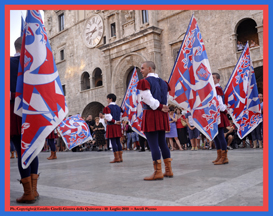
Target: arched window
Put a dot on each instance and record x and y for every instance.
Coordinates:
(85, 81)
(97, 77)
(247, 31)
(131, 70)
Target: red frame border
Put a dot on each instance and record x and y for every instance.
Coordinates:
(140, 7)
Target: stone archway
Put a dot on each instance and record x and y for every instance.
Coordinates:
(120, 73)
(129, 73)
(93, 109)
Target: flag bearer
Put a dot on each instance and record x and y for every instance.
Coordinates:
(220, 141)
(29, 175)
(155, 121)
(113, 130)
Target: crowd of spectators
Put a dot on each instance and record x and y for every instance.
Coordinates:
(130, 140)
(183, 135)
(191, 138)
(241, 45)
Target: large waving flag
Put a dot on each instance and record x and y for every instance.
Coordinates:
(241, 96)
(132, 105)
(74, 131)
(39, 95)
(191, 82)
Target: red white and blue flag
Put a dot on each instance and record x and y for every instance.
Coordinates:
(39, 98)
(132, 105)
(241, 96)
(74, 131)
(191, 82)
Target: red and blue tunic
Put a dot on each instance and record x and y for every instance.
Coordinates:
(223, 114)
(153, 91)
(112, 114)
(52, 135)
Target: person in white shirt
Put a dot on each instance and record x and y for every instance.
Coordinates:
(219, 140)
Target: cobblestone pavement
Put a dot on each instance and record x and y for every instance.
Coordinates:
(88, 179)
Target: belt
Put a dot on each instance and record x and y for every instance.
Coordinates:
(146, 107)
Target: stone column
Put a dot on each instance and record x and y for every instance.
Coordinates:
(107, 34)
(138, 20)
(154, 50)
(152, 17)
(91, 80)
(107, 79)
(234, 41)
(260, 36)
(118, 29)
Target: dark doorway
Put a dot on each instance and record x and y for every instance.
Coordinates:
(131, 70)
(92, 109)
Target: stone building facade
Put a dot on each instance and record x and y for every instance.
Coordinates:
(96, 50)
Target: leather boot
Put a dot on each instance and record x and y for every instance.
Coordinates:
(225, 155)
(254, 143)
(219, 154)
(28, 196)
(12, 154)
(120, 156)
(157, 175)
(34, 180)
(16, 154)
(51, 156)
(116, 158)
(223, 159)
(54, 155)
(260, 144)
(168, 168)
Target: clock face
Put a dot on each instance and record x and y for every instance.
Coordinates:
(93, 31)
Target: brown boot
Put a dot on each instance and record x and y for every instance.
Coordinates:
(28, 195)
(223, 159)
(34, 179)
(54, 155)
(219, 153)
(12, 154)
(168, 168)
(250, 143)
(254, 143)
(157, 175)
(120, 156)
(260, 144)
(51, 156)
(116, 158)
(16, 154)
